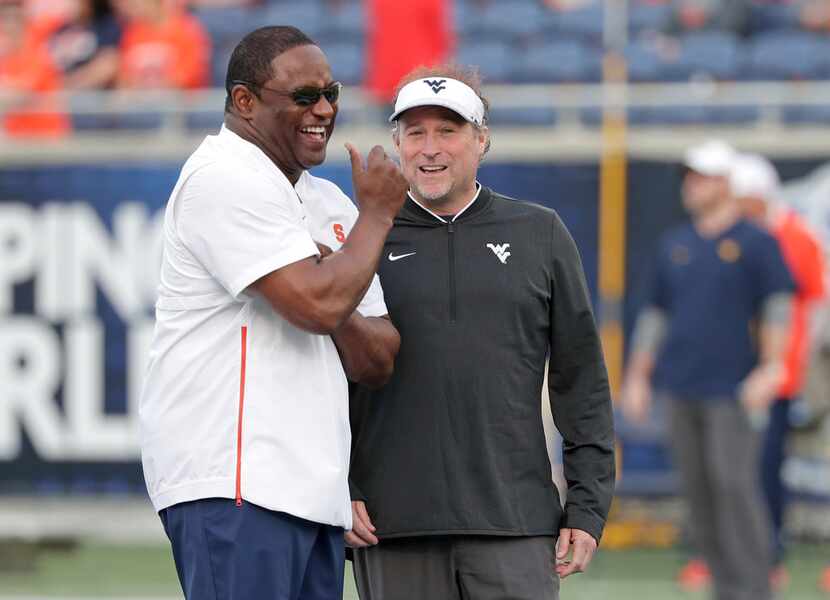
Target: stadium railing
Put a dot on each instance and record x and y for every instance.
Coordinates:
(532, 122)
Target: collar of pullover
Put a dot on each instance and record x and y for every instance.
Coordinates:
(413, 212)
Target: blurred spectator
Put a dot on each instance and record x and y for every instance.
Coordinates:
(565, 5)
(85, 45)
(815, 15)
(222, 3)
(712, 334)
(402, 36)
(162, 46)
(756, 187)
(48, 9)
(26, 69)
(722, 15)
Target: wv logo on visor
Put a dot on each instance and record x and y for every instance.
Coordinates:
(436, 84)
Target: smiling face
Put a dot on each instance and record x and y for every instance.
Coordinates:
(440, 153)
(294, 136)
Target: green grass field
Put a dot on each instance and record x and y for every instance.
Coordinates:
(97, 571)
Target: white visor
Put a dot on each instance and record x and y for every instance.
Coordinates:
(441, 91)
(754, 176)
(712, 158)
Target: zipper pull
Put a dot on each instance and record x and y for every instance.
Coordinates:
(450, 228)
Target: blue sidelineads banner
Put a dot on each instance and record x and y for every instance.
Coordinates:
(80, 248)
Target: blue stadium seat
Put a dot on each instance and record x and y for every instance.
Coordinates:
(715, 53)
(806, 115)
(789, 55)
(524, 117)
(648, 16)
(492, 57)
(772, 16)
(732, 115)
(644, 62)
(219, 62)
(510, 18)
(221, 22)
(204, 122)
(559, 62)
(465, 17)
(584, 22)
(670, 115)
(344, 22)
(346, 60)
(308, 15)
(138, 121)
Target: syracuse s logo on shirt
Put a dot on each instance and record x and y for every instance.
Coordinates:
(500, 250)
(339, 234)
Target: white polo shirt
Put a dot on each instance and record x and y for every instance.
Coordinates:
(238, 402)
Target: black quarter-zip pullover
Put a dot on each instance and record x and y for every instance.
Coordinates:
(454, 443)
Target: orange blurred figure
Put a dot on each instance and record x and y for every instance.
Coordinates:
(26, 71)
(402, 36)
(162, 47)
(694, 576)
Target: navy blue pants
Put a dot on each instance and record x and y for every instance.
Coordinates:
(228, 552)
(772, 461)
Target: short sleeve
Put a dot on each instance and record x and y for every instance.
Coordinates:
(772, 273)
(373, 304)
(240, 228)
(809, 268)
(656, 287)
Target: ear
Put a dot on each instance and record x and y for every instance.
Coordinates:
(483, 140)
(243, 100)
(396, 139)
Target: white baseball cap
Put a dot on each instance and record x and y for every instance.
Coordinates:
(440, 91)
(754, 176)
(712, 158)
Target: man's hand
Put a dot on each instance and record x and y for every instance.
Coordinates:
(636, 399)
(582, 545)
(760, 387)
(380, 188)
(362, 533)
(324, 251)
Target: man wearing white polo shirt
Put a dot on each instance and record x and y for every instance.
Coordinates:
(244, 414)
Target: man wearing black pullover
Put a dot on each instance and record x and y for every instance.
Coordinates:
(451, 481)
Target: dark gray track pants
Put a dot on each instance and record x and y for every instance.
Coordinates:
(458, 567)
(718, 455)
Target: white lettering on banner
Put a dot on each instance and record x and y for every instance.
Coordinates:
(17, 249)
(81, 255)
(68, 253)
(30, 372)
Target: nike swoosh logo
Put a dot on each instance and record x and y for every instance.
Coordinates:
(393, 258)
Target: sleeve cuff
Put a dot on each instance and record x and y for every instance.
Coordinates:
(272, 263)
(376, 309)
(355, 493)
(576, 518)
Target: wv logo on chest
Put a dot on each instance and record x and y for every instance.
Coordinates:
(500, 250)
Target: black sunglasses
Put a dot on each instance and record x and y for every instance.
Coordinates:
(303, 96)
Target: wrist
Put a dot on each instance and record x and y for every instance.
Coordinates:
(377, 218)
(772, 368)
